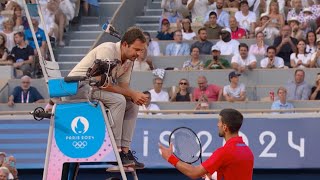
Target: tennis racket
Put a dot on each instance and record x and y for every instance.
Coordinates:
(187, 145)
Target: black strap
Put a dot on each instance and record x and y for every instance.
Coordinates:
(251, 8)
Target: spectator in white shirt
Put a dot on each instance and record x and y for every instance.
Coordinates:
(234, 91)
(153, 46)
(149, 106)
(300, 59)
(243, 61)
(246, 19)
(227, 45)
(198, 9)
(265, 28)
(187, 32)
(222, 15)
(271, 61)
(315, 58)
(157, 94)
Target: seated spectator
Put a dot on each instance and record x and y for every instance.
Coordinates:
(275, 14)
(25, 93)
(298, 89)
(22, 54)
(246, 19)
(198, 9)
(311, 42)
(8, 25)
(300, 59)
(236, 31)
(165, 33)
(4, 173)
(194, 63)
(265, 27)
(222, 15)
(148, 105)
(10, 164)
(3, 155)
(153, 46)
(142, 63)
(315, 90)
(296, 11)
(282, 102)
(231, 4)
(17, 17)
(182, 92)
(213, 29)
(243, 61)
(285, 44)
(203, 44)
(281, 4)
(41, 37)
(260, 48)
(157, 93)
(315, 58)
(271, 61)
(216, 62)
(296, 32)
(177, 48)
(309, 20)
(211, 92)
(187, 32)
(4, 51)
(235, 91)
(48, 12)
(170, 10)
(227, 45)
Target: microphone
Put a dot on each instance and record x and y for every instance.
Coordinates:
(108, 28)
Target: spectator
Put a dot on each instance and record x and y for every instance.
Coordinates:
(296, 11)
(165, 33)
(271, 61)
(309, 23)
(177, 48)
(142, 63)
(194, 63)
(170, 8)
(203, 103)
(260, 48)
(315, 90)
(211, 92)
(41, 37)
(198, 9)
(25, 93)
(246, 19)
(235, 91)
(243, 61)
(153, 46)
(149, 106)
(3, 155)
(268, 31)
(277, 20)
(227, 45)
(311, 42)
(48, 10)
(295, 28)
(182, 93)
(300, 59)
(216, 62)
(236, 31)
(222, 15)
(282, 103)
(10, 164)
(4, 51)
(8, 25)
(285, 44)
(157, 93)
(298, 89)
(213, 29)
(187, 32)
(17, 17)
(315, 58)
(232, 4)
(203, 44)
(281, 4)
(4, 173)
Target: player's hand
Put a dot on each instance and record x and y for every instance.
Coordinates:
(139, 98)
(166, 152)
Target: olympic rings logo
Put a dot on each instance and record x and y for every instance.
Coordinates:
(79, 144)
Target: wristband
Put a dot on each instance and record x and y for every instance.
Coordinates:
(173, 160)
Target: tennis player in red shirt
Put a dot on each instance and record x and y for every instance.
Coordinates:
(233, 161)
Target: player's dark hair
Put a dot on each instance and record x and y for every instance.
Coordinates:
(232, 118)
(132, 35)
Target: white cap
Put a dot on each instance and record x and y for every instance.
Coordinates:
(226, 29)
(3, 153)
(294, 19)
(307, 9)
(215, 48)
(264, 15)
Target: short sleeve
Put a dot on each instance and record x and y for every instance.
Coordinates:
(253, 58)
(214, 162)
(292, 56)
(16, 91)
(37, 95)
(281, 62)
(225, 90)
(242, 88)
(264, 63)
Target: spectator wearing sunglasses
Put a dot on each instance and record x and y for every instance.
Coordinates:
(25, 93)
(182, 92)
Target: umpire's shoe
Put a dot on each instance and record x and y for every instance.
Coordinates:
(137, 165)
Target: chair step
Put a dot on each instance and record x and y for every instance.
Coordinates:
(117, 169)
(74, 50)
(70, 57)
(153, 12)
(81, 42)
(90, 27)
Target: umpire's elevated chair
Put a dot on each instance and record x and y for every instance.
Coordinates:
(80, 130)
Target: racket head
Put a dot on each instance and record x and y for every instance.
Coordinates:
(186, 144)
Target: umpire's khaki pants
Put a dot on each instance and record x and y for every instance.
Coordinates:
(124, 113)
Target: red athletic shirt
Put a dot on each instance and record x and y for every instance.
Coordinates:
(238, 34)
(233, 161)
